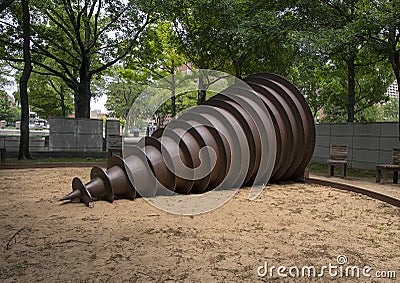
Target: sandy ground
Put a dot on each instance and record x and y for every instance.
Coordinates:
(128, 241)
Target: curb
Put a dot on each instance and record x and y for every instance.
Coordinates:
(360, 190)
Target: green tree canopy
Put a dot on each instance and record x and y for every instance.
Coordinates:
(77, 41)
(8, 112)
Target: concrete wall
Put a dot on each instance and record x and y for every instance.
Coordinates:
(75, 135)
(36, 143)
(369, 144)
(112, 129)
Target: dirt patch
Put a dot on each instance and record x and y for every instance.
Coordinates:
(289, 225)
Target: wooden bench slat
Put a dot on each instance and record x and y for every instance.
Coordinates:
(388, 166)
(337, 161)
(339, 152)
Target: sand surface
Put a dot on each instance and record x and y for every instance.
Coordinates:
(131, 241)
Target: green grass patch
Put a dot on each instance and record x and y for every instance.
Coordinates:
(321, 169)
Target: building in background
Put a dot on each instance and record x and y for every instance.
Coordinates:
(97, 114)
(186, 68)
(393, 90)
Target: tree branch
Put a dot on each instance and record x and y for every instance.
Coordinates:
(13, 44)
(43, 73)
(335, 7)
(54, 87)
(91, 10)
(4, 5)
(127, 50)
(6, 23)
(96, 23)
(71, 80)
(67, 51)
(64, 29)
(365, 107)
(48, 54)
(9, 60)
(105, 28)
(75, 23)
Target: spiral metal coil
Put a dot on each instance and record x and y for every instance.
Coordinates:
(267, 127)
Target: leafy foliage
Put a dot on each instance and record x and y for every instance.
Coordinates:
(77, 40)
(8, 112)
(122, 93)
(50, 97)
(342, 54)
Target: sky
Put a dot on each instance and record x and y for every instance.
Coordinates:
(98, 104)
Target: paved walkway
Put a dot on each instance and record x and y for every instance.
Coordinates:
(389, 192)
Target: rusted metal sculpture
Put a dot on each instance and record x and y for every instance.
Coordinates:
(286, 119)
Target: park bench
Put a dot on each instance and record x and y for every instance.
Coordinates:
(114, 145)
(384, 169)
(338, 158)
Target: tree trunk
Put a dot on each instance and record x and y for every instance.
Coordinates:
(394, 58)
(351, 88)
(23, 84)
(84, 95)
(128, 104)
(82, 98)
(398, 93)
(238, 67)
(201, 96)
(173, 96)
(62, 99)
(201, 93)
